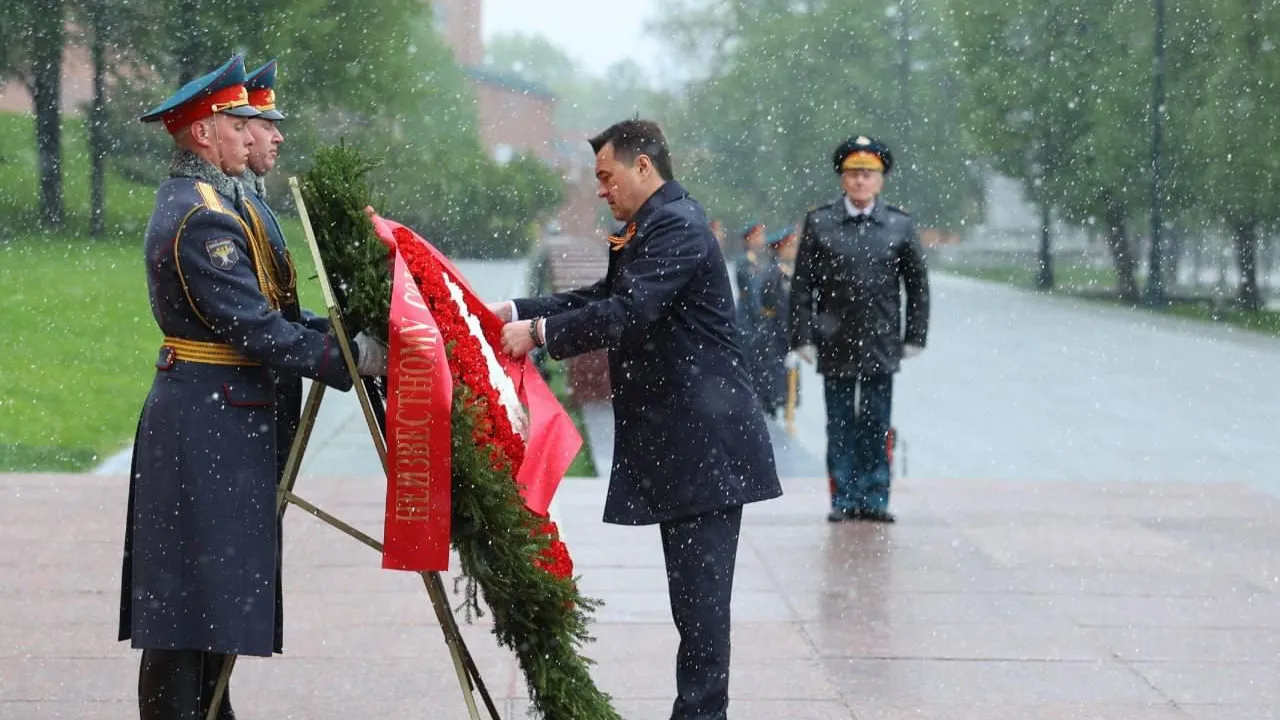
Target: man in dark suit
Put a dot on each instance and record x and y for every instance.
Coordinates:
(692, 444)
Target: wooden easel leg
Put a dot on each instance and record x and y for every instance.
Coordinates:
(464, 664)
(453, 633)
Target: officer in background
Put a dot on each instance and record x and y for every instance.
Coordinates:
(746, 276)
(856, 257)
(201, 551)
(769, 346)
(750, 264)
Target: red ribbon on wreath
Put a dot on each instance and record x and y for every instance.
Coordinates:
(553, 441)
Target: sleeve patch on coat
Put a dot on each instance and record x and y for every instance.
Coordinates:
(223, 253)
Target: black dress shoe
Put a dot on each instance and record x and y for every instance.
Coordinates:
(880, 516)
(836, 515)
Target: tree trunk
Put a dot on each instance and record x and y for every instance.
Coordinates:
(1118, 242)
(98, 123)
(190, 49)
(1245, 235)
(1044, 274)
(46, 94)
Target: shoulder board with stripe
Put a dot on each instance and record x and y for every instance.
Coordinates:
(211, 198)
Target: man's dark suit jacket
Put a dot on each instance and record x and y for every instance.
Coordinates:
(690, 435)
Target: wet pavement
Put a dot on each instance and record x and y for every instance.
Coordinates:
(988, 600)
(1087, 530)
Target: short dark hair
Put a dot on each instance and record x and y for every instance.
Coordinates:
(633, 138)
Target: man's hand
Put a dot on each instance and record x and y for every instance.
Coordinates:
(503, 310)
(371, 356)
(910, 351)
(807, 353)
(516, 339)
(791, 361)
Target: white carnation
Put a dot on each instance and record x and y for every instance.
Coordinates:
(497, 376)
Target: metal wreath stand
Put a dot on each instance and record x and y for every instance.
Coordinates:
(468, 675)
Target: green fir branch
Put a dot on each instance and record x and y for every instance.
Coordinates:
(336, 191)
(543, 619)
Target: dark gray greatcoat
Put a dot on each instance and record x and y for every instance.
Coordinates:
(846, 296)
(201, 555)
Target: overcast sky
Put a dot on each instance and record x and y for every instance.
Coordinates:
(579, 27)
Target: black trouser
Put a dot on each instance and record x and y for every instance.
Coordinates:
(179, 684)
(700, 553)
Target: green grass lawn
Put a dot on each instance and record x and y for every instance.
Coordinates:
(80, 351)
(79, 335)
(81, 347)
(1093, 282)
(1067, 277)
(80, 340)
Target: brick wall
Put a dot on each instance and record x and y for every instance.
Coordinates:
(77, 84)
(458, 21)
(516, 118)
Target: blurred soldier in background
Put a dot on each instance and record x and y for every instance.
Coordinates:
(769, 345)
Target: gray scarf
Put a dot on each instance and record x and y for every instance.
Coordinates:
(254, 183)
(187, 164)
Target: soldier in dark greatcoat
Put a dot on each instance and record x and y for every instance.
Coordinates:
(267, 138)
(857, 257)
(201, 551)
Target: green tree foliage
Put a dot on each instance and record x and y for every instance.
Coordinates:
(31, 39)
(786, 82)
(1053, 104)
(375, 74)
(1233, 140)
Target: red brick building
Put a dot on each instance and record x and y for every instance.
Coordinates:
(77, 83)
(518, 116)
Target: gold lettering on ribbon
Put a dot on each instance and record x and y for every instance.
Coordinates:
(417, 378)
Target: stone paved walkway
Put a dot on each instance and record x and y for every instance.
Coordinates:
(987, 601)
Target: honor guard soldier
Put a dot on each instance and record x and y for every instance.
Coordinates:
(267, 138)
(857, 255)
(201, 552)
(770, 343)
(749, 265)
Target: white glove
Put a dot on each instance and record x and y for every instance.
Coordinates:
(505, 310)
(371, 360)
(910, 351)
(791, 361)
(807, 353)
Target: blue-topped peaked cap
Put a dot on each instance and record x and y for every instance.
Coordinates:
(261, 84)
(221, 91)
(781, 235)
(749, 227)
